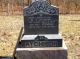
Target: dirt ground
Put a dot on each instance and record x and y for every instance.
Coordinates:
(69, 27)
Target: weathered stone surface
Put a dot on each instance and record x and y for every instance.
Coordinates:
(42, 53)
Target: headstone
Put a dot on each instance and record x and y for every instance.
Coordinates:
(37, 0)
(40, 37)
(41, 18)
(6, 57)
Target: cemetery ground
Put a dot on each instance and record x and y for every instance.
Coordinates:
(69, 27)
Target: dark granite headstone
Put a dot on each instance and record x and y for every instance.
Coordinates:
(40, 38)
(41, 18)
(6, 58)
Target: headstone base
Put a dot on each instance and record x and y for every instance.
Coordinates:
(42, 53)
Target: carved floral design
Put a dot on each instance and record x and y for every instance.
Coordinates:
(38, 6)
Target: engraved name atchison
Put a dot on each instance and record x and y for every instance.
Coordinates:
(41, 41)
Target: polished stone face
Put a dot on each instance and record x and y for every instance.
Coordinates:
(40, 43)
(34, 41)
(41, 18)
(45, 24)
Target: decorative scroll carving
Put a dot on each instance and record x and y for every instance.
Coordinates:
(40, 7)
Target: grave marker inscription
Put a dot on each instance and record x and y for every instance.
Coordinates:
(40, 37)
(41, 18)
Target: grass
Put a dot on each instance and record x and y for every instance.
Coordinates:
(69, 27)
(70, 30)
